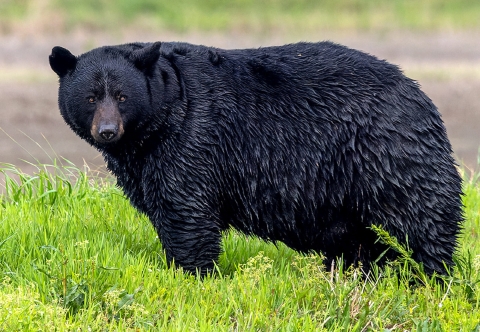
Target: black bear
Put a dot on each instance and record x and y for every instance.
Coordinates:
(308, 144)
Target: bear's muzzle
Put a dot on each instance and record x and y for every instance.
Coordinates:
(107, 124)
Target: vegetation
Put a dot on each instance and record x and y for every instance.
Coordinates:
(75, 255)
(245, 15)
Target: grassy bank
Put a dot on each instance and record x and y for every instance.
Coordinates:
(242, 15)
(74, 254)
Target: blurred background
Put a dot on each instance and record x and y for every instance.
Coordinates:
(436, 42)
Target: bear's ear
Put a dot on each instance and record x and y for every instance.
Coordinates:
(62, 61)
(146, 57)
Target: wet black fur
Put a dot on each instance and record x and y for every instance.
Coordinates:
(308, 144)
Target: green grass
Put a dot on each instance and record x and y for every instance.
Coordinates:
(282, 16)
(75, 255)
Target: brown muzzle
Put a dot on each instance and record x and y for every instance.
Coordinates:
(107, 124)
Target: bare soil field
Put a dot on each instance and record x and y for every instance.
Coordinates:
(447, 65)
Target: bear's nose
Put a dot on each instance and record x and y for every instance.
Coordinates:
(107, 132)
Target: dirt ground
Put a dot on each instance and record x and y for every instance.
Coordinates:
(447, 65)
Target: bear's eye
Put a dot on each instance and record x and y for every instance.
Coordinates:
(91, 100)
(122, 98)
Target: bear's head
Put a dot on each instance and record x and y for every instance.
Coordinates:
(112, 92)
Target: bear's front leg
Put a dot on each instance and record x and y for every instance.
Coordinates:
(181, 200)
(190, 240)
